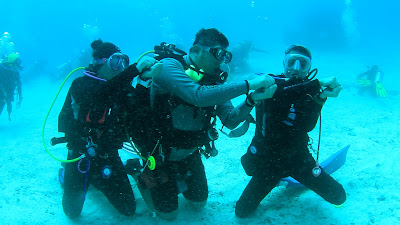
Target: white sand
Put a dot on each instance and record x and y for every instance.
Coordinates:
(31, 194)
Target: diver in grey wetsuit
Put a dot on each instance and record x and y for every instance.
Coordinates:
(186, 97)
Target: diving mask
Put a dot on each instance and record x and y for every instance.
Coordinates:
(116, 61)
(297, 62)
(221, 54)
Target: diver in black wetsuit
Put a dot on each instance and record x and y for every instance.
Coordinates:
(279, 147)
(92, 120)
(371, 82)
(10, 80)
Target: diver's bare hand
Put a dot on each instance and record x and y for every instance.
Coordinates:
(330, 82)
(263, 93)
(154, 71)
(145, 63)
(331, 92)
(262, 81)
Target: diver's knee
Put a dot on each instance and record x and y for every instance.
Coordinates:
(197, 205)
(128, 211)
(338, 197)
(72, 213)
(167, 216)
(244, 210)
(72, 203)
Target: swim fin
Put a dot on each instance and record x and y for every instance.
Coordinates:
(380, 90)
(330, 165)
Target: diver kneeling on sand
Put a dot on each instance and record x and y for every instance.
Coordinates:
(280, 146)
(93, 124)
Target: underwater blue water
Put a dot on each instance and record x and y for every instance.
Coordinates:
(53, 32)
(345, 37)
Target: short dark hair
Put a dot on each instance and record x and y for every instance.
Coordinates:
(211, 37)
(299, 48)
(103, 49)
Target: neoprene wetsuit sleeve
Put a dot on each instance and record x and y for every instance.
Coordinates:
(231, 116)
(258, 139)
(19, 88)
(123, 79)
(174, 80)
(362, 75)
(66, 117)
(311, 114)
(116, 86)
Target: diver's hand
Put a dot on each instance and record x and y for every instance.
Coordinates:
(145, 63)
(154, 70)
(263, 93)
(262, 81)
(330, 82)
(330, 92)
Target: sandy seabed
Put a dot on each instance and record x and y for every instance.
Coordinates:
(31, 194)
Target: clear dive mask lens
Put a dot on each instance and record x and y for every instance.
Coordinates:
(297, 62)
(118, 61)
(221, 54)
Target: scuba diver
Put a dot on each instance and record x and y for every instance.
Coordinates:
(9, 81)
(92, 120)
(371, 81)
(241, 53)
(280, 146)
(186, 97)
(6, 45)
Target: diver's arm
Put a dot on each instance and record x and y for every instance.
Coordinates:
(231, 116)
(174, 80)
(259, 133)
(19, 87)
(319, 100)
(361, 75)
(146, 68)
(117, 86)
(310, 115)
(311, 118)
(121, 81)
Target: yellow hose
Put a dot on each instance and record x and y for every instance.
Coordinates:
(52, 104)
(47, 115)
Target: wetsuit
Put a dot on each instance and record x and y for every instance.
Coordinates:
(9, 80)
(90, 116)
(279, 147)
(183, 110)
